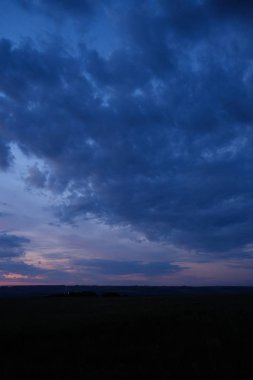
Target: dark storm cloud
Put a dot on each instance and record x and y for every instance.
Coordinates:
(157, 135)
(113, 267)
(11, 245)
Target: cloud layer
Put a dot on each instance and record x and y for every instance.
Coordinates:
(113, 267)
(157, 135)
(11, 245)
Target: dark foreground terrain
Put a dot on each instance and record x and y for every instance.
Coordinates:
(127, 337)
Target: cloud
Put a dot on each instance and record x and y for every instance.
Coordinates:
(3, 214)
(12, 252)
(6, 157)
(73, 7)
(157, 135)
(36, 177)
(197, 20)
(15, 276)
(18, 266)
(234, 8)
(114, 267)
(12, 246)
(13, 265)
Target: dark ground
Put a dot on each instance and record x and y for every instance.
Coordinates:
(127, 337)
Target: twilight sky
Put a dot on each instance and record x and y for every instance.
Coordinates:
(126, 142)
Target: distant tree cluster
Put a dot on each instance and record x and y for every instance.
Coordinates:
(85, 294)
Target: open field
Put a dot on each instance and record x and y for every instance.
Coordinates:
(126, 337)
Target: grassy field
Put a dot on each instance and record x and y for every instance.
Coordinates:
(126, 337)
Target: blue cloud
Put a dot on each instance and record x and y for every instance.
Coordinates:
(73, 7)
(157, 135)
(114, 267)
(12, 246)
(6, 157)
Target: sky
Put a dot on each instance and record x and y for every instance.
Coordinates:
(126, 140)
